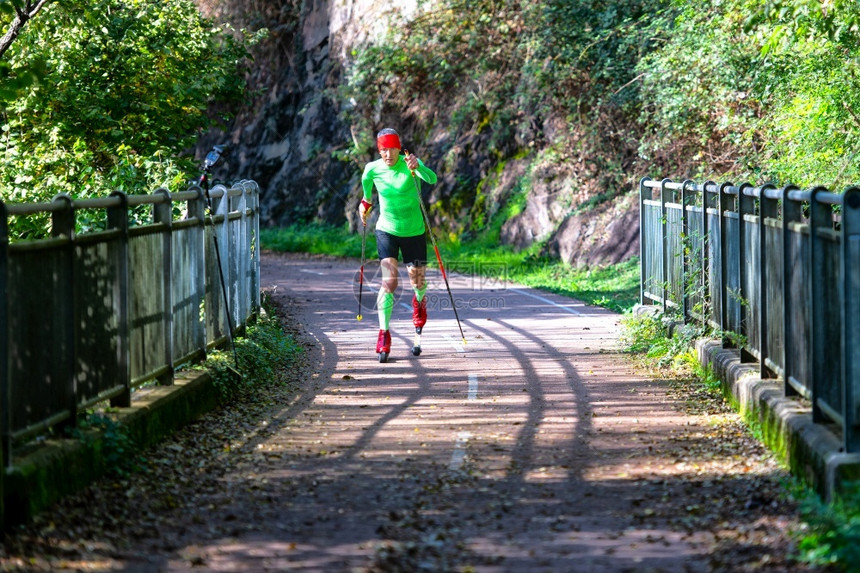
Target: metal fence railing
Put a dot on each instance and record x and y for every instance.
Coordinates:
(87, 317)
(779, 268)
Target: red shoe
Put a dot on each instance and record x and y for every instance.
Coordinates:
(383, 344)
(419, 312)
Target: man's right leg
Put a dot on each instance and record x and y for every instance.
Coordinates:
(385, 303)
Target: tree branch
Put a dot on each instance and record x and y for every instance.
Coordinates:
(22, 16)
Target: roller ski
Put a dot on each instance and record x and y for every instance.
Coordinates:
(419, 319)
(416, 344)
(383, 345)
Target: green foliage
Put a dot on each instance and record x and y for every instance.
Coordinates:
(641, 333)
(675, 82)
(833, 534)
(698, 88)
(778, 102)
(835, 20)
(263, 355)
(711, 381)
(118, 451)
(589, 50)
(504, 66)
(615, 287)
(459, 46)
(649, 334)
(317, 239)
(126, 88)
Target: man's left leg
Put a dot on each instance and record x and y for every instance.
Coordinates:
(419, 303)
(415, 256)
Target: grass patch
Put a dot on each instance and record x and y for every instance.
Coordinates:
(263, 357)
(615, 287)
(317, 239)
(833, 534)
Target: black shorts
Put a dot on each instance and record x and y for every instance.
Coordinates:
(414, 249)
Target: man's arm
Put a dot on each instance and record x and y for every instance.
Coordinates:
(417, 166)
(367, 195)
(367, 183)
(425, 173)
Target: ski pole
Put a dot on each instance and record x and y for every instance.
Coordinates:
(361, 272)
(435, 248)
(211, 159)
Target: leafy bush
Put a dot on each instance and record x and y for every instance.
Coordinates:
(126, 88)
(641, 333)
(777, 102)
(515, 75)
(117, 448)
(833, 534)
(262, 357)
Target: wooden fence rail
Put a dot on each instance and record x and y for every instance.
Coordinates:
(89, 317)
(775, 271)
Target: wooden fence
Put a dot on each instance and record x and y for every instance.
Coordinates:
(775, 271)
(89, 317)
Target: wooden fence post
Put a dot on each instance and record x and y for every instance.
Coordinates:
(117, 218)
(63, 225)
(768, 209)
(257, 246)
(162, 213)
(707, 242)
(219, 287)
(665, 197)
(230, 261)
(687, 244)
(722, 207)
(197, 210)
(820, 218)
(643, 252)
(792, 212)
(850, 275)
(243, 243)
(745, 205)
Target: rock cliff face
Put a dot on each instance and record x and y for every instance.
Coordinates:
(286, 135)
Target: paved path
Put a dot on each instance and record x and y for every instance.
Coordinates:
(534, 447)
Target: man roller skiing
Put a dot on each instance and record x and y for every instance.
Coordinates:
(399, 230)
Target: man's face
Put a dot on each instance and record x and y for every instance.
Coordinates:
(390, 155)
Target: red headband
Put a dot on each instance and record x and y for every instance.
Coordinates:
(388, 141)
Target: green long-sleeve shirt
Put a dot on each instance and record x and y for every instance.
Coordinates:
(399, 209)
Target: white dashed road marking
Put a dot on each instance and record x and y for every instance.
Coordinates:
(473, 387)
(546, 300)
(459, 455)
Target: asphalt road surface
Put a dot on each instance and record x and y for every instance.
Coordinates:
(532, 447)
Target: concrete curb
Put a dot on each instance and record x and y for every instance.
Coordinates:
(60, 467)
(812, 452)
